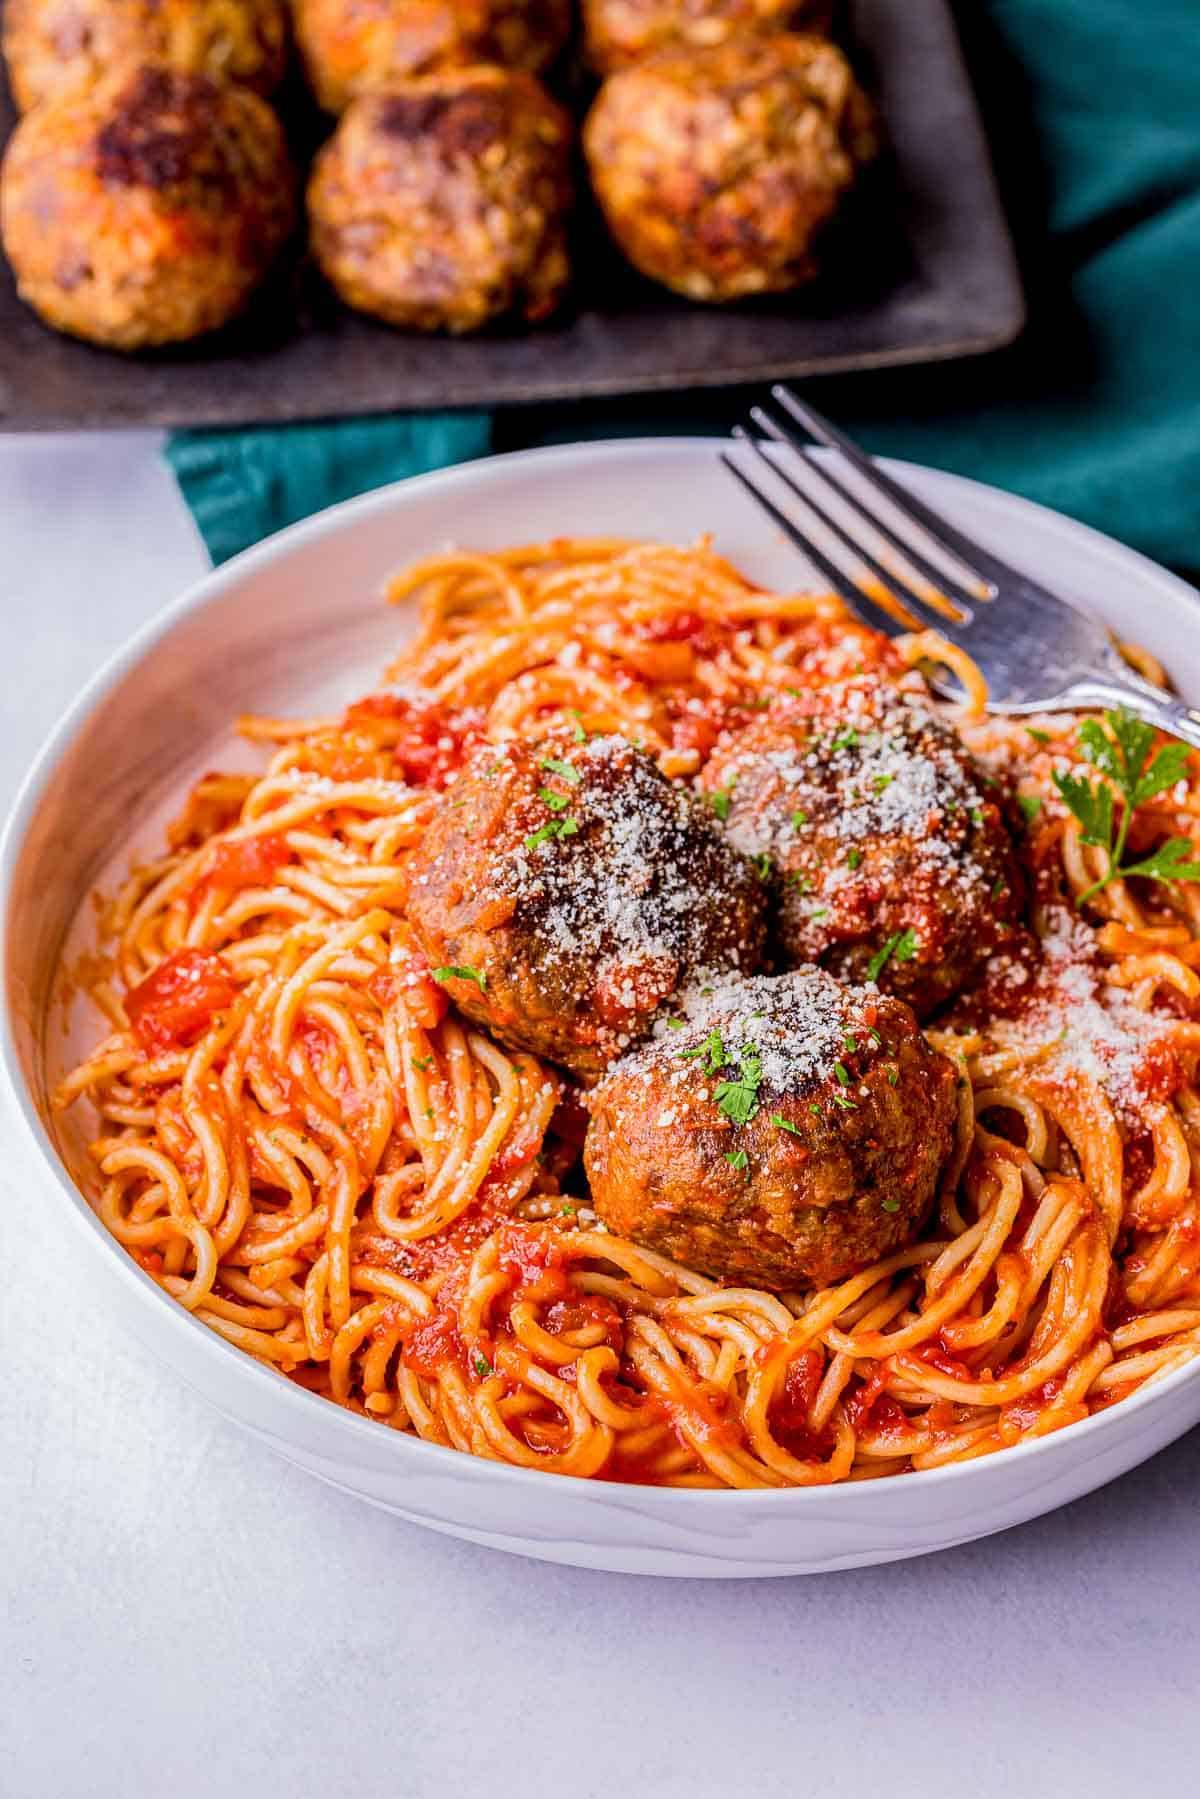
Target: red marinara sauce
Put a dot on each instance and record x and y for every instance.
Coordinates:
(179, 999)
(247, 862)
(428, 743)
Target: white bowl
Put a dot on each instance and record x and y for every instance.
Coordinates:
(298, 623)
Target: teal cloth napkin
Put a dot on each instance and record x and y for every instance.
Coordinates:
(1093, 107)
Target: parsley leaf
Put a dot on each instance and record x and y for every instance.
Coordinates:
(737, 1158)
(577, 730)
(553, 827)
(1169, 862)
(738, 1099)
(889, 1205)
(713, 1051)
(422, 1063)
(720, 801)
(799, 817)
(785, 1124)
(1030, 806)
(557, 766)
(763, 864)
(1038, 736)
(557, 802)
(854, 859)
(462, 974)
(483, 1367)
(900, 947)
(1120, 748)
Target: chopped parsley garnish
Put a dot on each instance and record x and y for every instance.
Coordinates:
(814, 1108)
(738, 1099)
(999, 886)
(577, 730)
(569, 1209)
(875, 1037)
(854, 859)
(847, 1105)
(422, 1063)
(557, 802)
(893, 1077)
(851, 1042)
(763, 864)
(462, 974)
(737, 1158)
(882, 782)
(675, 1024)
(842, 1073)
(819, 912)
(901, 946)
(785, 1124)
(845, 740)
(567, 770)
(553, 827)
(1122, 752)
(799, 817)
(889, 1205)
(1030, 805)
(483, 1367)
(720, 799)
(801, 882)
(712, 1049)
(1038, 736)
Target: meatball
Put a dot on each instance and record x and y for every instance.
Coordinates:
(578, 889)
(440, 204)
(619, 32)
(716, 168)
(146, 209)
(791, 1135)
(887, 848)
(53, 45)
(355, 47)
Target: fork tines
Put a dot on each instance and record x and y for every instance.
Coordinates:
(898, 566)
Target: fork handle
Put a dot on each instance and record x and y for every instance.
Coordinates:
(1150, 703)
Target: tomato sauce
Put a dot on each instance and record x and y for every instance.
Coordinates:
(179, 1000)
(248, 862)
(428, 743)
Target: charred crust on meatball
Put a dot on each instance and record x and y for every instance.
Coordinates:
(160, 132)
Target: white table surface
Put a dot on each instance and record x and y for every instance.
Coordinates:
(180, 1611)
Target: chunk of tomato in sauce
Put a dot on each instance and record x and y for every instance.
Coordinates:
(178, 1001)
(411, 979)
(246, 862)
(428, 743)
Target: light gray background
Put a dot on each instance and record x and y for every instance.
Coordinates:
(180, 1611)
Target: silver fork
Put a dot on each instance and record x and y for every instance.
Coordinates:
(1037, 652)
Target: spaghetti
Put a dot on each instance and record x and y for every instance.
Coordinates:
(304, 1145)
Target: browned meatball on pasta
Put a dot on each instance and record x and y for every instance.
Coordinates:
(620, 32)
(791, 1135)
(716, 169)
(440, 204)
(145, 210)
(885, 841)
(53, 45)
(570, 890)
(355, 47)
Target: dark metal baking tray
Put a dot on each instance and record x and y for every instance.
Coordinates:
(921, 270)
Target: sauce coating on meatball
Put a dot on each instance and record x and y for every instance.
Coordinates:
(886, 844)
(788, 1134)
(582, 889)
